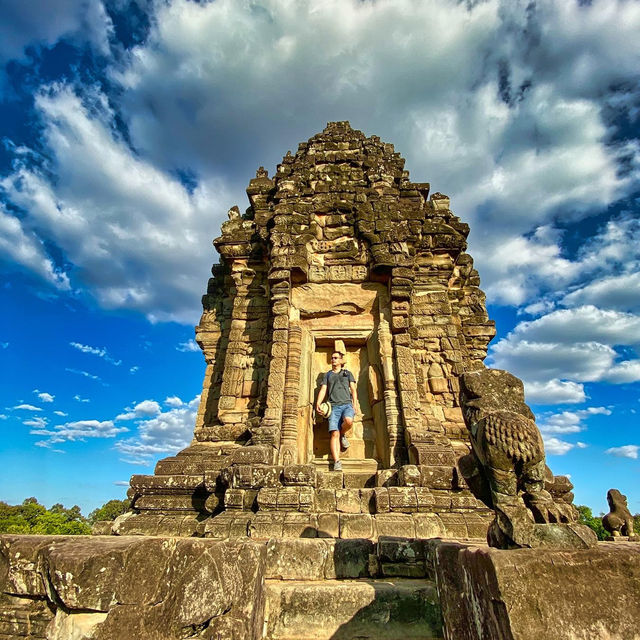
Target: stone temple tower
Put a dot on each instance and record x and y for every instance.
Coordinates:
(338, 249)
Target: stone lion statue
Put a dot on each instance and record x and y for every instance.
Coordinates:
(509, 453)
(619, 521)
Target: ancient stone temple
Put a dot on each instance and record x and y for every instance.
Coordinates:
(250, 534)
(339, 250)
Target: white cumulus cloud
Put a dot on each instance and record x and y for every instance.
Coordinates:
(504, 106)
(554, 392)
(27, 407)
(78, 430)
(189, 345)
(167, 432)
(35, 24)
(44, 396)
(577, 345)
(625, 451)
(569, 421)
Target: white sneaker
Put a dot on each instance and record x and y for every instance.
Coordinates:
(337, 465)
(344, 443)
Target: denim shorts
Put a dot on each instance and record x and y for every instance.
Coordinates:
(338, 413)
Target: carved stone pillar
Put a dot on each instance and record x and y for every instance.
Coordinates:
(289, 435)
(394, 427)
(272, 420)
(236, 354)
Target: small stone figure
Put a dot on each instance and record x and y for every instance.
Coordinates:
(509, 451)
(619, 521)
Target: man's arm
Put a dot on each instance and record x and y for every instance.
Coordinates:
(354, 397)
(321, 394)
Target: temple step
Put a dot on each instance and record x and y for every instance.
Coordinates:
(196, 459)
(363, 465)
(347, 526)
(148, 523)
(174, 483)
(384, 609)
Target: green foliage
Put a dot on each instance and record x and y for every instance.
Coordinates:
(593, 522)
(636, 524)
(110, 510)
(32, 517)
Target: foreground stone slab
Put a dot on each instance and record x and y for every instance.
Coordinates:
(536, 593)
(119, 588)
(347, 609)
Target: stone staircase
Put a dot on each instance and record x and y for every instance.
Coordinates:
(309, 501)
(327, 589)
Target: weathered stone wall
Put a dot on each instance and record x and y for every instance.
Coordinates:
(106, 588)
(109, 588)
(521, 594)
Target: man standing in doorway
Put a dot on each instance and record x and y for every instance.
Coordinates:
(341, 387)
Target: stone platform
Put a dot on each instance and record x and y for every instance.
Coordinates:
(153, 588)
(525, 594)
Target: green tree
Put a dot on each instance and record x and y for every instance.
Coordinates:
(109, 510)
(12, 520)
(593, 522)
(32, 517)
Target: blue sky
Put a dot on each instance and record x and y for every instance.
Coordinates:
(130, 127)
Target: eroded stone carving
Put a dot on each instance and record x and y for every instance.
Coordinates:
(508, 448)
(619, 521)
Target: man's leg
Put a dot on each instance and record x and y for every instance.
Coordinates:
(334, 432)
(347, 421)
(334, 444)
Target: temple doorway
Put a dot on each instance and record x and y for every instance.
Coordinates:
(345, 318)
(362, 435)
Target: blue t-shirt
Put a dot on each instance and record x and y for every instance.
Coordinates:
(338, 386)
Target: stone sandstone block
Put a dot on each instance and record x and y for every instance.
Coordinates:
(367, 501)
(328, 525)
(354, 525)
(425, 499)
(387, 478)
(302, 559)
(348, 500)
(455, 525)
(356, 480)
(265, 476)
(300, 525)
(409, 476)
(436, 476)
(428, 525)
(395, 524)
(325, 500)
(381, 499)
(266, 525)
(116, 588)
(234, 499)
(267, 499)
(441, 500)
(330, 480)
(403, 499)
(299, 474)
(538, 593)
(288, 499)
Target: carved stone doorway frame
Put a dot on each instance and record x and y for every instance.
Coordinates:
(358, 315)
